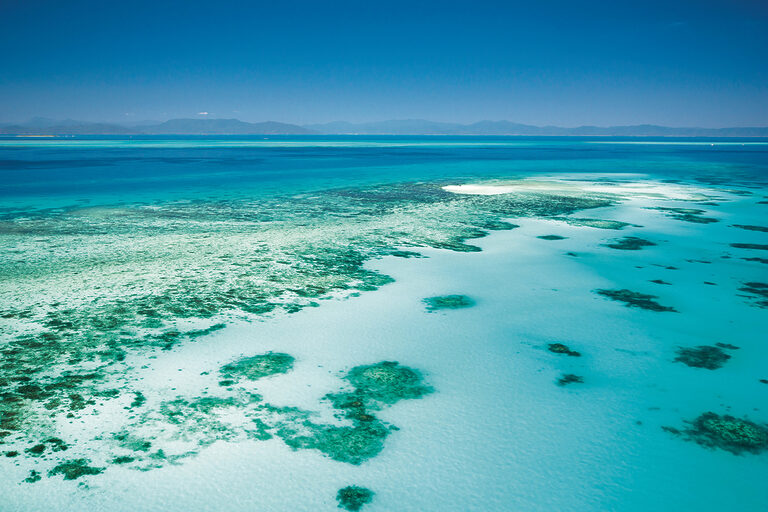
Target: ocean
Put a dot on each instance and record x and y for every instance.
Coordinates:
(383, 323)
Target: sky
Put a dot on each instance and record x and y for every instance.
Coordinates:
(546, 62)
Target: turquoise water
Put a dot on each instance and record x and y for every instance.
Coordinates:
(42, 173)
(452, 323)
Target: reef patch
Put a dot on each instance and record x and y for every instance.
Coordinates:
(353, 497)
(757, 247)
(595, 223)
(635, 299)
(569, 378)
(74, 469)
(694, 215)
(629, 243)
(257, 367)
(735, 435)
(703, 356)
(758, 292)
(559, 348)
(762, 229)
(448, 302)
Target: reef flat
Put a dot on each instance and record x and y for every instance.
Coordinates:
(131, 281)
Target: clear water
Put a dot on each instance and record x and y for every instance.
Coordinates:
(44, 173)
(134, 273)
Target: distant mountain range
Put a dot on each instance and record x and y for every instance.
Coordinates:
(43, 126)
(422, 127)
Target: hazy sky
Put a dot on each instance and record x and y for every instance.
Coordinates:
(557, 62)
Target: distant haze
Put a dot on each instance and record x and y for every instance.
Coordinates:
(554, 62)
(42, 126)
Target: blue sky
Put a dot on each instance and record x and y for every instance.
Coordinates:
(567, 63)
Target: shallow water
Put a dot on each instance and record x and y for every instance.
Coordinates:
(137, 275)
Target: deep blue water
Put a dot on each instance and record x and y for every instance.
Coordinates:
(44, 173)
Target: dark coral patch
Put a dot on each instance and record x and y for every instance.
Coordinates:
(75, 468)
(354, 497)
(735, 435)
(686, 214)
(703, 356)
(34, 476)
(559, 348)
(635, 300)
(757, 291)
(630, 243)
(569, 378)
(552, 237)
(757, 247)
(762, 229)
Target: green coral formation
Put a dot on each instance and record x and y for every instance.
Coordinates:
(387, 382)
(686, 214)
(374, 387)
(181, 427)
(74, 469)
(448, 302)
(352, 445)
(552, 237)
(735, 435)
(498, 225)
(703, 356)
(34, 476)
(635, 299)
(353, 497)
(630, 243)
(258, 367)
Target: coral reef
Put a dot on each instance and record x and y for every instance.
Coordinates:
(595, 223)
(758, 292)
(387, 382)
(703, 356)
(559, 348)
(75, 468)
(448, 302)
(686, 214)
(112, 287)
(569, 378)
(629, 243)
(635, 299)
(354, 497)
(374, 387)
(552, 237)
(757, 247)
(762, 229)
(257, 367)
(735, 435)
